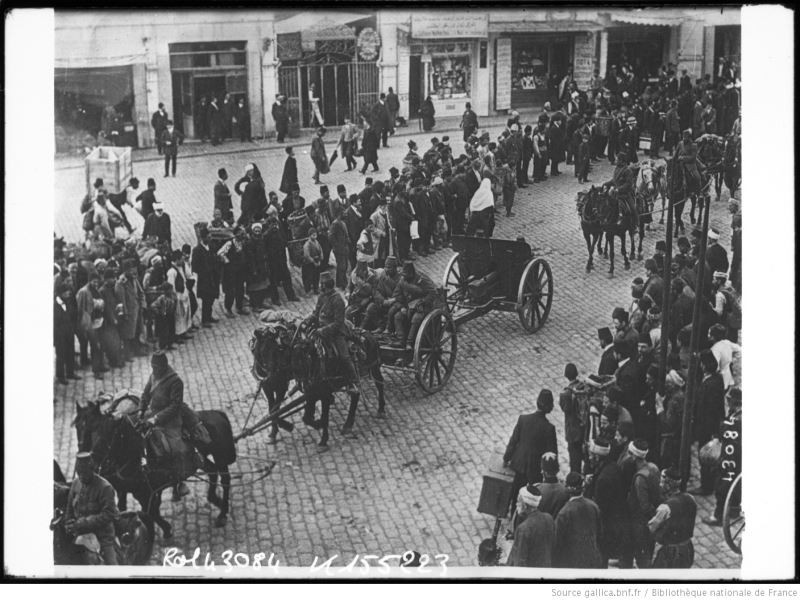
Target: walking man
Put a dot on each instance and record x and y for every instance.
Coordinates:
(159, 123)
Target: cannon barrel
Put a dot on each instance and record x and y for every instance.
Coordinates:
(278, 416)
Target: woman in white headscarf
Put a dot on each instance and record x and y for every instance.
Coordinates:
(481, 210)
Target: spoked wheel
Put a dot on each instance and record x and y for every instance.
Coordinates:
(454, 285)
(535, 295)
(435, 351)
(733, 517)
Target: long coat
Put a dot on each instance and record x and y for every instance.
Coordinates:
(130, 293)
(162, 400)
(609, 493)
(280, 114)
(289, 177)
(369, 145)
(533, 436)
(204, 264)
(577, 528)
(533, 542)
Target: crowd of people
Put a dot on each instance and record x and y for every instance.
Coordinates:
(624, 432)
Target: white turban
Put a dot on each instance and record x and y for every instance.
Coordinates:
(636, 451)
(527, 498)
(674, 378)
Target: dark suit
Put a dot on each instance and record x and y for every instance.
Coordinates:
(64, 340)
(204, 264)
(281, 116)
(159, 123)
(533, 436)
(354, 223)
(170, 142)
(379, 119)
(627, 378)
(608, 363)
(222, 200)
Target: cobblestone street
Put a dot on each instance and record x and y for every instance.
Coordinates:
(412, 480)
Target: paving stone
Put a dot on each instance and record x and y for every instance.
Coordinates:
(358, 497)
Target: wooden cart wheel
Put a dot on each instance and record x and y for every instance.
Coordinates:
(535, 295)
(435, 350)
(733, 522)
(454, 285)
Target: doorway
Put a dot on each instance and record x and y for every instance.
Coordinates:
(414, 86)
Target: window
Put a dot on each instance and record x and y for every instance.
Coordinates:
(450, 76)
(529, 67)
(207, 55)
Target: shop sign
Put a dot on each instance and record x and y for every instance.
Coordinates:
(449, 25)
(334, 32)
(369, 43)
(502, 80)
(584, 59)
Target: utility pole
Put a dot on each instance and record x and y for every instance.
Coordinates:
(699, 299)
(665, 320)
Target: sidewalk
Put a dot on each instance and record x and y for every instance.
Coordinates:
(194, 148)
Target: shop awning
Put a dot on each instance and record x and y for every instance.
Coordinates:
(648, 19)
(543, 26)
(77, 49)
(316, 21)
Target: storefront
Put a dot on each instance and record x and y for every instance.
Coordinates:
(727, 51)
(205, 70)
(643, 47)
(447, 53)
(334, 52)
(538, 63)
(96, 99)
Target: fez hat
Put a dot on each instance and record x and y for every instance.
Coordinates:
(661, 245)
(368, 181)
(391, 261)
(222, 173)
(323, 189)
(394, 172)
(620, 313)
(412, 144)
(98, 183)
(603, 333)
(341, 188)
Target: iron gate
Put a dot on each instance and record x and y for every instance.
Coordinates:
(344, 89)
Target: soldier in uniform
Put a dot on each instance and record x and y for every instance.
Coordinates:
(329, 315)
(623, 183)
(164, 409)
(417, 292)
(686, 154)
(672, 526)
(91, 507)
(382, 295)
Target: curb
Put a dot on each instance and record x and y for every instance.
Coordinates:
(272, 145)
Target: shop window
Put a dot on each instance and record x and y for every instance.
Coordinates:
(450, 76)
(529, 68)
(207, 55)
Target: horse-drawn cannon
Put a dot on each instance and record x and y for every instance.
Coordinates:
(487, 274)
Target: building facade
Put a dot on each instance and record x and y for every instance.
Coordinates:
(496, 60)
(132, 60)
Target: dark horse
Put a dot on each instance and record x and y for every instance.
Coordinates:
(603, 213)
(118, 446)
(318, 376)
(134, 531)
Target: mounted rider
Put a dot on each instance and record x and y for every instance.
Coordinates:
(686, 155)
(92, 508)
(163, 408)
(331, 328)
(623, 183)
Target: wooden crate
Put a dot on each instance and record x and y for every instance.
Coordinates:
(497, 489)
(111, 163)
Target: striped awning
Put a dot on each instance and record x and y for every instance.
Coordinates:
(645, 18)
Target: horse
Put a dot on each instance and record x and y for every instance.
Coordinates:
(271, 349)
(319, 378)
(118, 446)
(134, 531)
(600, 213)
(676, 189)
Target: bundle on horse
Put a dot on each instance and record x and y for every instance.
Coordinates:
(319, 374)
(133, 530)
(602, 212)
(118, 440)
